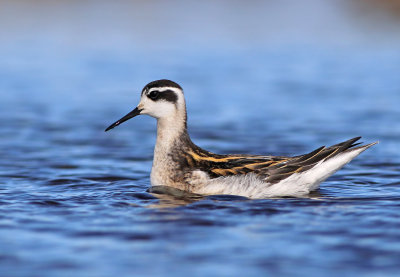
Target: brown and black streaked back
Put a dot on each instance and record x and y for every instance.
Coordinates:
(270, 168)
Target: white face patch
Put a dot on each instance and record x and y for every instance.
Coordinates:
(162, 102)
(161, 89)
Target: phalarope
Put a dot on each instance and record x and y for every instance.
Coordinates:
(181, 164)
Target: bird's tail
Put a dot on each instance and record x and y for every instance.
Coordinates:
(343, 153)
(309, 170)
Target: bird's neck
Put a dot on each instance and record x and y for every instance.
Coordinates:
(172, 137)
(170, 131)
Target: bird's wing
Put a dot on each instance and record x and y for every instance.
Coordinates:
(226, 165)
(270, 168)
(305, 162)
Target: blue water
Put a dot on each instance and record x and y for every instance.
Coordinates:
(75, 201)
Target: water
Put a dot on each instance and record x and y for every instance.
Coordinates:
(75, 201)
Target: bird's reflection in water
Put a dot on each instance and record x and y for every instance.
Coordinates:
(170, 197)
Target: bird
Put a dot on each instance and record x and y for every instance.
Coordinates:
(181, 164)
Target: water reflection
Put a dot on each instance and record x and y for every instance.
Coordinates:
(171, 197)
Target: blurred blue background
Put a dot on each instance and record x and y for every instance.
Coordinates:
(270, 77)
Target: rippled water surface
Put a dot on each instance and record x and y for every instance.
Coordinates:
(75, 201)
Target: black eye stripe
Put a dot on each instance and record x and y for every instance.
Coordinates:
(167, 95)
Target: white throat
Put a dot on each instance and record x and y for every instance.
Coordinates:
(169, 129)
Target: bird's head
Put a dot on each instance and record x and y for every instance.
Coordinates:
(159, 99)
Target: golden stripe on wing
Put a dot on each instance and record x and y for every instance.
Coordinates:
(247, 168)
(259, 165)
(214, 159)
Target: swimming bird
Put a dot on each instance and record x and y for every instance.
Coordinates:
(181, 164)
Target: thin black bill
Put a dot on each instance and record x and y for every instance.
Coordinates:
(133, 113)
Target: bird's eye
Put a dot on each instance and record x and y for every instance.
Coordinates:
(153, 94)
